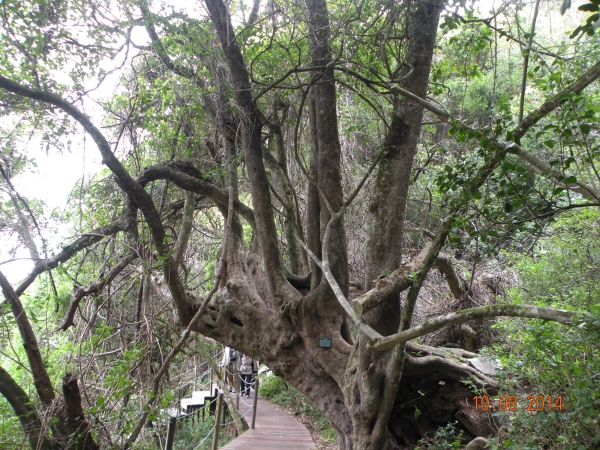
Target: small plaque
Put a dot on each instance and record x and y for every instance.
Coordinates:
(325, 342)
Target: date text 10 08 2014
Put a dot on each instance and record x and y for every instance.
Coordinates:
(510, 403)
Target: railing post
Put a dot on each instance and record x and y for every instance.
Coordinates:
(255, 402)
(215, 441)
(171, 433)
(195, 372)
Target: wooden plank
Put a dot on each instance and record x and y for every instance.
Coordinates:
(275, 429)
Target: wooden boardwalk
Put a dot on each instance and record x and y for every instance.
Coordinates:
(274, 429)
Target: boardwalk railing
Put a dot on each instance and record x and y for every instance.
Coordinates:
(198, 403)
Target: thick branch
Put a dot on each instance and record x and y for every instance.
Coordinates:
(292, 223)
(384, 288)
(392, 285)
(251, 126)
(195, 183)
(424, 365)
(186, 227)
(443, 115)
(253, 13)
(481, 312)
(455, 283)
(132, 188)
(424, 231)
(22, 406)
(77, 426)
(41, 379)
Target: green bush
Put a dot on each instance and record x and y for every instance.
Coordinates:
(272, 386)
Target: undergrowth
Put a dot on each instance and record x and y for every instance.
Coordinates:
(556, 365)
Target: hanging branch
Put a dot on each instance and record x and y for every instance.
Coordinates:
(186, 227)
(68, 251)
(543, 168)
(341, 298)
(95, 288)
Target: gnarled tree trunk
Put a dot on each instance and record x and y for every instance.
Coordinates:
(356, 388)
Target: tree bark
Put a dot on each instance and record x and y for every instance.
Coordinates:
(326, 143)
(77, 426)
(387, 208)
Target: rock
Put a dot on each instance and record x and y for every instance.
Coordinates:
(477, 444)
(485, 365)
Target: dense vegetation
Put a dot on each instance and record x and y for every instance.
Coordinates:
(416, 180)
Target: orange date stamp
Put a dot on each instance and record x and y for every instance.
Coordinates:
(510, 403)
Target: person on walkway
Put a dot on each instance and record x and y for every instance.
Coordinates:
(248, 368)
(230, 364)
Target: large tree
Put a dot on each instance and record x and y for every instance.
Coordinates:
(261, 100)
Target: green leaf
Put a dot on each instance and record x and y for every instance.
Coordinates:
(417, 412)
(555, 77)
(589, 7)
(570, 160)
